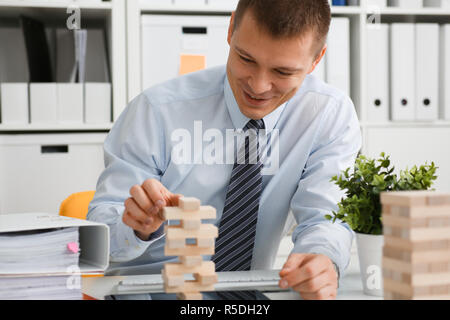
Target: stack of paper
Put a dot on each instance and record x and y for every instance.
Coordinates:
(40, 264)
(41, 288)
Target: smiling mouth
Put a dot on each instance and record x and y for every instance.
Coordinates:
(254, 100)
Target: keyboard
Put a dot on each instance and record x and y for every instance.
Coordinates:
(262, 280)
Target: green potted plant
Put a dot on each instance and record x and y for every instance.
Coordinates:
(361, 208)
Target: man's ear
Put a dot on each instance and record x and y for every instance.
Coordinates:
(231, 28)
(318, 58)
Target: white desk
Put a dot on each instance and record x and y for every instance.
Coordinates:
(350, 286)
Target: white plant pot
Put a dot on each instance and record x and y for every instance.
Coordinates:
(370, 253)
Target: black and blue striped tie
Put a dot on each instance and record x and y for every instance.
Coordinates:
(234, 246)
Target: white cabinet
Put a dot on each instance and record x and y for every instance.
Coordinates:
(167, 38)
(39, 171)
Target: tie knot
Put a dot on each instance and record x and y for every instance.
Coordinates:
(255, 124)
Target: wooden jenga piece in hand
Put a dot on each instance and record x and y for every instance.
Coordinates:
(190, 214)
(416, 253)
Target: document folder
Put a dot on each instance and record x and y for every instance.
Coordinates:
(445, 72)
(93, 238)
(378, 73)
(338, 55)
(403, 75)
(427, 71)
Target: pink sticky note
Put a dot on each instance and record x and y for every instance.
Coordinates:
(73, 247)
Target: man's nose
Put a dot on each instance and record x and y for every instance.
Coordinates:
(260, 83)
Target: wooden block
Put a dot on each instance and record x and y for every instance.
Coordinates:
(205, 231)
(189, 250)
(438, 199)
(418, 234)
(205, 242)
(403, 266)
(189, 296)
(205, 278)
(407, 291)
(402, 222)
(415, 198)
(425, 234)
(404, 198)
(430, 279)
(417, 212)
(438, 290)
(175, 243)
(189, 204)
(417, 256)
(191, 261)
(175, 213)
(440, 266)
(397, 211)
(172, 280)
(177, 268)
(191, 224)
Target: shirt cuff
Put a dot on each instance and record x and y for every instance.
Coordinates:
(133, 244)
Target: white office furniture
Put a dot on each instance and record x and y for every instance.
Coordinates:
(177, 36)
(40, 171)
(378, 67)
(427, 71)
(43, 103)
(43, 162)
(403, 72)
(14, 103)
(97, 103)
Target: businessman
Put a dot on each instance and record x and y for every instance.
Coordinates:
(172, 140)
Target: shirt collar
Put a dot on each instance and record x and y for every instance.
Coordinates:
(240, 120)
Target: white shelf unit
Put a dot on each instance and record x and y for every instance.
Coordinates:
(42, 164)
(402, 154)
(111, 15)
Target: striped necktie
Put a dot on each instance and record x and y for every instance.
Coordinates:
(234, 246)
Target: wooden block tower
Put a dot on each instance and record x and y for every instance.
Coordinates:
(190, 214)
(416, 252)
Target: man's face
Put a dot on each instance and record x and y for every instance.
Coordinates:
(265, 72)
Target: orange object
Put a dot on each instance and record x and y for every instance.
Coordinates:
(76, 205)
(191, 63)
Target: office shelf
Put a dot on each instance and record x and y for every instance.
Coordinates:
(415, 12)
(407, 124)
(56, 4)
(109, 15)
(55, 127)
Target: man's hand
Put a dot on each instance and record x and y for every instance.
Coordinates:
(311, 275)
(143, 210)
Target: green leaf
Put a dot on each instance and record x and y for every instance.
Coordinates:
(361, 208)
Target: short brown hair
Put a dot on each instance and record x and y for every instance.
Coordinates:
(289, 18)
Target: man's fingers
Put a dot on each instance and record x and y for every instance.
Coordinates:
(326, 293)
(131, 222)
(315, 284)
(153, 189)
(301, 267)
(136, 212)
(293, 262)
(141, 198)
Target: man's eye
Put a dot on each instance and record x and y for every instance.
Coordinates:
(245, 59)
(284, 73)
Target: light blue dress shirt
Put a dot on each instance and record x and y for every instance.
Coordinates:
(319, 136)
